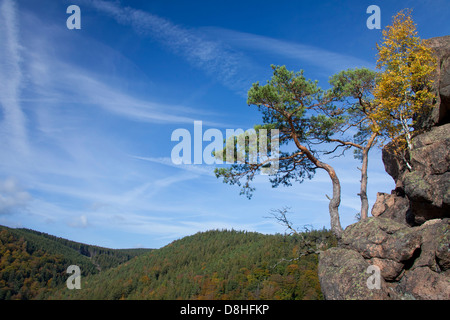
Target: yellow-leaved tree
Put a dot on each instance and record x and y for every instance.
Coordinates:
(404, 89)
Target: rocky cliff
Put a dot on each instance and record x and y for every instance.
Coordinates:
(403, 250)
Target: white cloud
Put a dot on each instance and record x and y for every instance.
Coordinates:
(79, 222)
(12, 196)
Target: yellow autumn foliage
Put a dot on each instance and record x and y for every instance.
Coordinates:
(404, 88)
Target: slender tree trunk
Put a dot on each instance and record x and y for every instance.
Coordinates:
(363, 192)
(405, 128)
(365, 165)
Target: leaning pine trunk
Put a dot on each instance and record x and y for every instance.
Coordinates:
(335, 201)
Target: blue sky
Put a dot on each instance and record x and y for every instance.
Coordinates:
(86, 116)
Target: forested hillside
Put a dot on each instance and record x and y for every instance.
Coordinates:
(27, 274)
(215, 265)
(34, 264)
(101, 258)
(208, 265)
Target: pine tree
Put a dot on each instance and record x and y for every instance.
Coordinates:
(287, 103)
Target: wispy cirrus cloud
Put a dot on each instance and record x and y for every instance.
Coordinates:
(201, 170)
(322, 59)
(13, 125)
(74, 171)
(58, 82)
(227, 56)
(109, 98)
(218, 60)
(55, 78)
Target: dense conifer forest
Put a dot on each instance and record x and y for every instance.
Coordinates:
(218, 264)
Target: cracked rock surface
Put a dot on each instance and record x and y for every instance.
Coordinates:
(413, 261)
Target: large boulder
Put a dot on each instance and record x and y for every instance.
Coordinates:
(382, 238)
(344, 276)
(413, 262)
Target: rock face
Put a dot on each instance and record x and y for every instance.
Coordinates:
(441, 47)
(403, 250)
(381, 259)
(426, 187)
